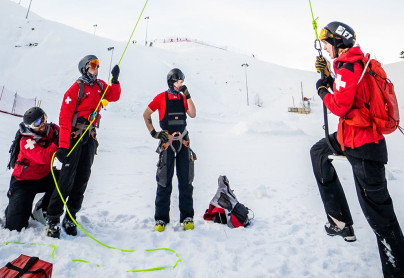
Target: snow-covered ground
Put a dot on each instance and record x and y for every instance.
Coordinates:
(264, 151)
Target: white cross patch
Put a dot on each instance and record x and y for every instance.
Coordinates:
(68, 99)
(339, 83)
(30, 144)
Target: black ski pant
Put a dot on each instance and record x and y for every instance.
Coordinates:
(374, 199)
(74, 177)
(185, 174)
(21, 196)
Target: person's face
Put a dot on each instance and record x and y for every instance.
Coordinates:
(178, 84)
(330, 49)
(41, 129)
(93, 71)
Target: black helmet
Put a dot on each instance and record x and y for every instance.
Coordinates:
(33, 114)
(338, 34)
(84, 63)
(173, 76)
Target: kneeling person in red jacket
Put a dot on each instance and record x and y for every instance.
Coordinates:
(76, 113)
(365, 151)
(31, 173)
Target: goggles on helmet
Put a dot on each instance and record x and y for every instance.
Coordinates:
(325, 34)
(38, 122)
(94, 64)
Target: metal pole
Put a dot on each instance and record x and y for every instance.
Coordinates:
(246, 84)
(28, 9)
(147, 25)
(110, 63)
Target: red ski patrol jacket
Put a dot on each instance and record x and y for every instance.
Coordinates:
(34, 159)
(348, 70)
(88, 103)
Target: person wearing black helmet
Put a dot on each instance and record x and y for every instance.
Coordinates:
(31, 175)
(173, 105)
(364, 148)
(76, 114)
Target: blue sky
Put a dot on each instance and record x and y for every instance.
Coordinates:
(275, 31)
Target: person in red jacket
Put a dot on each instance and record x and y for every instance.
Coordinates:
(76, 113)
(31, 175)
(366, 157)
(173, 105)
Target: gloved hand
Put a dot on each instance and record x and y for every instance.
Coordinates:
(61, 154)
(115, 74)
(185, 91)
(321, 86)
(162, 135)
(322, 65)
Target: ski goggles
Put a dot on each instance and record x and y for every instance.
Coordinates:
(325, 34)
(38, 122)
(94, 64)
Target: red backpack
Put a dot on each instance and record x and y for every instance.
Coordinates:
(381, 110)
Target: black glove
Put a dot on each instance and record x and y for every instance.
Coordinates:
(162, 135)
(61, 154)
(115, 74)
(322, 85)
(185, 91)
(322, 65)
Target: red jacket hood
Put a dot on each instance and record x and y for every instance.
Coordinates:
(353, 55)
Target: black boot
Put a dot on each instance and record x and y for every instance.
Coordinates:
(52, 228)
(347, 232)
(69, 226)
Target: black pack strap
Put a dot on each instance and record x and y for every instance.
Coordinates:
(22, 271)
(80, 96)
(39, 270)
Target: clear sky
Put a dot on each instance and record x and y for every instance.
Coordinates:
(275, 31)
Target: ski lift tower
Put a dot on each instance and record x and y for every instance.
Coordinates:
(245, 65)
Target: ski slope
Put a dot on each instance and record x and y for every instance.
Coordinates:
(264, 151)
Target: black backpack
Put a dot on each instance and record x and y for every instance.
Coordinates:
(14, 150)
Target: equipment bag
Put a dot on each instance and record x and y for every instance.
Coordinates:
(14, 150)
(380, 111)
(27, 267)
(225, 208)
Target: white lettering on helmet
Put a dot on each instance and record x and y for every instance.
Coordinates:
(343, 32)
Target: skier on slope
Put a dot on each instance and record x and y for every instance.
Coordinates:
(173, 105)
(32, 174)
(76, 113)
(366, 157)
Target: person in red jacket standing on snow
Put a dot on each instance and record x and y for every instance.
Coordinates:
(366, 156)
(31, 173)
(76, 114)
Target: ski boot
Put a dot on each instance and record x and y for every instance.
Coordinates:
(188, 223)
(347, 232)
(52, 228)
(159, 226)
(69, 226)
(38, 213)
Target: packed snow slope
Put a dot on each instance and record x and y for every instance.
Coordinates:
(264, 151)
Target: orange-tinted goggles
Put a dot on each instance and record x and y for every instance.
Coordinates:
(94, 64)
(325, 34)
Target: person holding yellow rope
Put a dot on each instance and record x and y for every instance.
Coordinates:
(173, 105)
(76, 114)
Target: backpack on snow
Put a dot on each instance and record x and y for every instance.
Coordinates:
(225, 208)
(14, 150)
(381, 110)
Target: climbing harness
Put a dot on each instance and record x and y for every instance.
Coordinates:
(176, 136)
